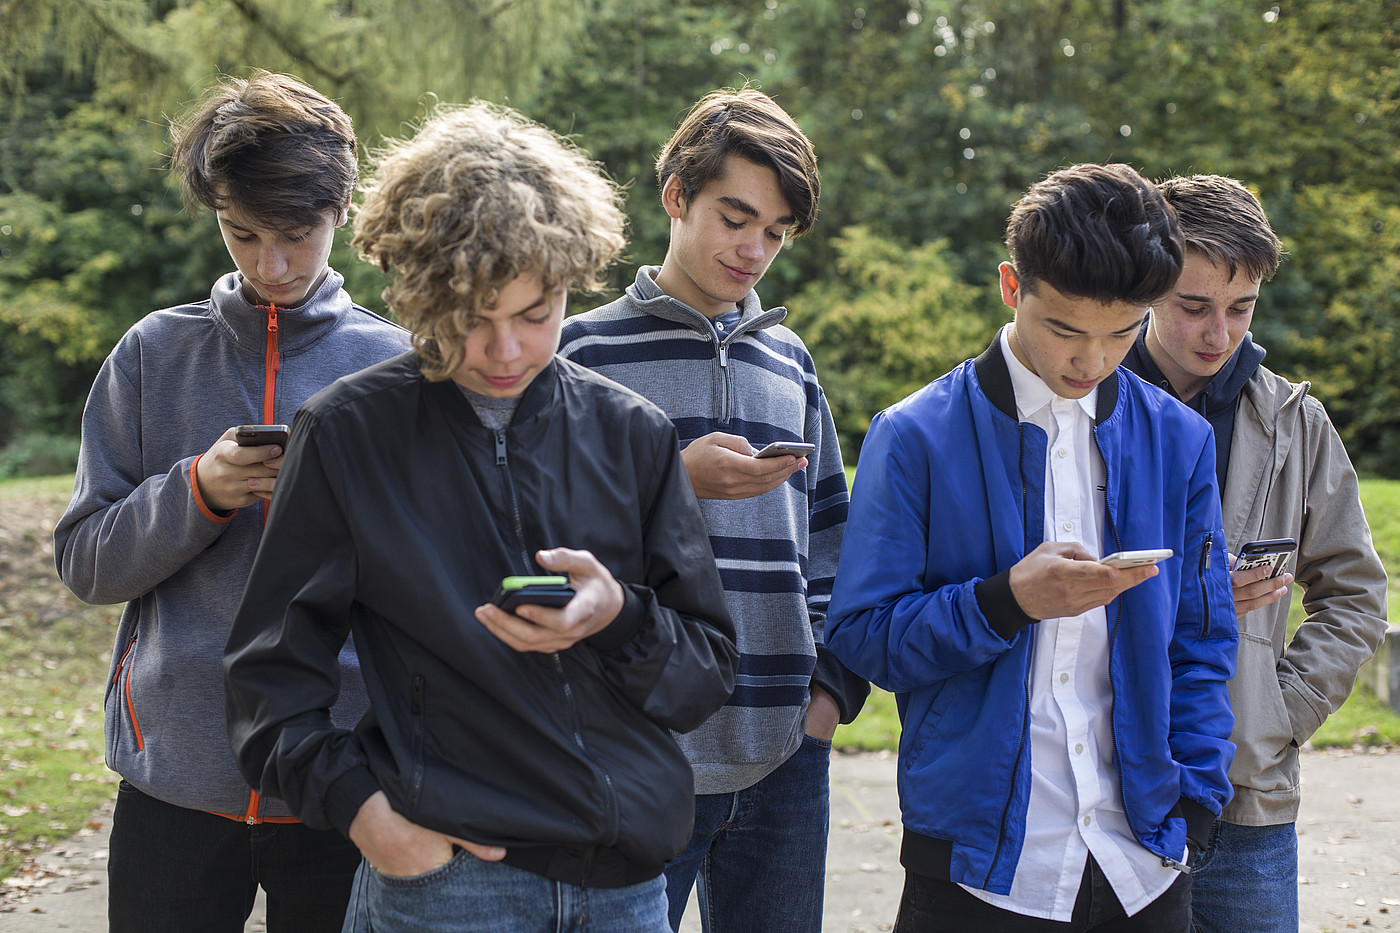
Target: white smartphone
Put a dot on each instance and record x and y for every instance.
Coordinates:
(786, 449)
(1122, 559)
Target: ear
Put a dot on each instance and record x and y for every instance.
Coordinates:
(671, 198)
(1010, 287)
(344, 214)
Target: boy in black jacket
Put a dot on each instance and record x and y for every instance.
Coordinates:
(516, 769)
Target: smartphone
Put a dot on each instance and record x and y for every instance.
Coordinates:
(551, 591)
(786, 449)
(260, 435)
(1274, 552)
(1122, 559)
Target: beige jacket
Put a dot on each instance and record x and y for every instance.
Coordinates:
(1290, 476)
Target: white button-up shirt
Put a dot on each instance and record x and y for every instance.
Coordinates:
(1076, 803)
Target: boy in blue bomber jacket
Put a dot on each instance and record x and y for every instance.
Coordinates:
(738, 177)
(1065, 722)
(168, 509)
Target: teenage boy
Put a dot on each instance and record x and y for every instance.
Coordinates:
(163, 512)
(738, 178)
(1284, 474)
(516, 770)
(1065, 722)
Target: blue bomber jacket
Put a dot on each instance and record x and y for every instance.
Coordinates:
(950, 494)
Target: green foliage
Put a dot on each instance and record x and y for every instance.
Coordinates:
(890, 320)
(39, 455)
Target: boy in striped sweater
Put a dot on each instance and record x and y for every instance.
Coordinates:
(738, 178)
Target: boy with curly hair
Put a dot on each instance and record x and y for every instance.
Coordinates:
(516, 769)
(162, 517)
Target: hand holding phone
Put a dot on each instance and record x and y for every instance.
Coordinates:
(1274, 552)
(261, 435)
(786, 449)
(552, 591)
(1121, 559)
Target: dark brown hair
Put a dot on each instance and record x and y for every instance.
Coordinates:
(745, 123)
(1224, 222)
(270, 145)
(1096, 231)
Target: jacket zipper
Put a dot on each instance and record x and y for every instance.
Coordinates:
(126, 691)
(272, 364)
(723, 349)
(503, 462)
(1201, 569)
(415, 705)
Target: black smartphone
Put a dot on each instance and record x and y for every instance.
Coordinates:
(1274, 552)
(551, 591)
(786, 449)
(261, 435)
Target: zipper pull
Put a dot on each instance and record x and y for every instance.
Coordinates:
(723, 355)
(500, 448)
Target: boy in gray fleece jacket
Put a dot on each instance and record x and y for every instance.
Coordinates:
(736, 179)
(1283, 474)
(167, 512)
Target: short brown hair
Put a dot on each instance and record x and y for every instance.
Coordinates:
(1225, 223)
(1096, 231)
(278, 149)
(479, 196)
(746, 123)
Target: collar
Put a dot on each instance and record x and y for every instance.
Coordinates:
(649, 297)
(994, 377)
(297, 328)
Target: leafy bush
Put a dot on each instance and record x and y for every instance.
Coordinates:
(39, 455)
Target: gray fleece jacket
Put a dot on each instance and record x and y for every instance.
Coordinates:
(137, 531)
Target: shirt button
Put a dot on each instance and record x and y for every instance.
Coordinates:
(1068, 526)
(1064, 678)
(1079, 748)
(1086, 821)
(1062, 453)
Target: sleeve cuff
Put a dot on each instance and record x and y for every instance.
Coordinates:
(346, 795)
(847, 689)
(998, 604)
(628, 622)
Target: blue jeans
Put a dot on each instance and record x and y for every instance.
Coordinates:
(1246, 881)
(760, 854)
(175, 870)
(468, 895)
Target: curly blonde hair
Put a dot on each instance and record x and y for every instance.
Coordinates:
(479, 196)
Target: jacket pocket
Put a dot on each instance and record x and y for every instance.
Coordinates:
(1202, 567)
(1264, 758)
(121, 682)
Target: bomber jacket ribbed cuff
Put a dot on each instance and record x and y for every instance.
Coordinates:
(998, 604)
(1199, 821)
(628, 622)
(848, 690)
(346, 795)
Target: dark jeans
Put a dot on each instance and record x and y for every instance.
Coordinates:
(930, 905)
(759, 854)
(174, 870)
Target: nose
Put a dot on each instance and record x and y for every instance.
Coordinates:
(751, 248)
(1217, 335)
(1091, 358)
(505, 345)
(272, 263)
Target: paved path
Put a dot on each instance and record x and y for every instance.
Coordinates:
(1348, 845)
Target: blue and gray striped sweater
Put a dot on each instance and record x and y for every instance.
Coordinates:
(777, 552)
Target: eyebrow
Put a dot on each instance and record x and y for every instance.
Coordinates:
(744, 207)
(1061, 325)
(1206, 299)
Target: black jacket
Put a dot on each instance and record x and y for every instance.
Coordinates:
(397, 513)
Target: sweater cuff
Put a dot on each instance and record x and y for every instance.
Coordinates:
(628, 622)
(346, 795)
(998, 604)
(205, 509)
(847, 689)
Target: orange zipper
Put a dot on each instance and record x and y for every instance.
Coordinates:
(126, 690)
